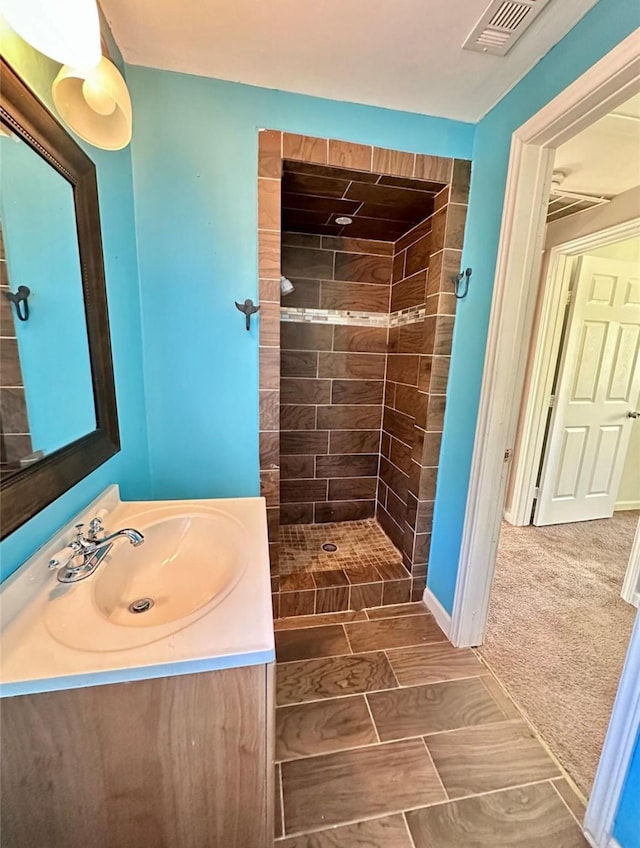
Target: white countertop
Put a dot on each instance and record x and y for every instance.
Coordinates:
(236, 631)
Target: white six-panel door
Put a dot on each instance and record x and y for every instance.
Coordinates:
(598, 386)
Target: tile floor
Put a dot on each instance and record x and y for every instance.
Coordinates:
(359, 544)
(338, 590)
(388, 737)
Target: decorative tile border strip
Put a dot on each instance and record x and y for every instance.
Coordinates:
(334, 316)
(407, 316)
(385, 320)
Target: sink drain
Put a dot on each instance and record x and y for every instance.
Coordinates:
(141, 605)
(329, 547)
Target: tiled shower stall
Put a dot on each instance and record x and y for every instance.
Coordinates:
(353, 377)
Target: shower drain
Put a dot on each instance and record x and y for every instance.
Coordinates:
(141, 605)
(329, 547)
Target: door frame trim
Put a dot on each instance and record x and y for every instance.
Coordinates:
(546, 349)
(611, 81)
(617, 750)
(631, 585)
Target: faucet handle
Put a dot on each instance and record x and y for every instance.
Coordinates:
(64, 557)
(95, 527)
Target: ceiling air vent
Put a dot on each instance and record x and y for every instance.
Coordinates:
(502, 25)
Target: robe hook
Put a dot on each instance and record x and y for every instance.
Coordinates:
(249, 309)
(463, 277)
(20, 300)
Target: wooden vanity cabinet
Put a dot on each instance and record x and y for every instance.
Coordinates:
(176, 762)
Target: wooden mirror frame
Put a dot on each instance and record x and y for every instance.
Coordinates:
(31, 489)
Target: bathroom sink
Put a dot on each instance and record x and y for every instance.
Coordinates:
(186, 561)
(189, 562)
(194, 597)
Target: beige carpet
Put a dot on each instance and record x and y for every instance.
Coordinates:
(558, 630)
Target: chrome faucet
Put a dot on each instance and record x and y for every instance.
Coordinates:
(83, 555)
(134, 536)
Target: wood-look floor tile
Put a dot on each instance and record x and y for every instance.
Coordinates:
(495, 756)
(432, 663)
(350, 785)
(364, 574)
(327, 579)
(296, 582)
(303, 730)
(364, 595)
(396, 592)
(419, 710)
(527, 817)
(295, 621)
(393, 571)
(387, 832)
(311, 642)
(293, 604)
(570, 798)
(393, 633)
(329, 641)
(332, 600)
(396, 610)
(330, 677)
(500, 696)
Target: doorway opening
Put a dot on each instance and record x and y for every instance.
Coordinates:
(517, 314)
(558, 625)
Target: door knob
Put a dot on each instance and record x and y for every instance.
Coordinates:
(633, 414)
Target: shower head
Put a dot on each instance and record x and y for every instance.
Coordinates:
(286, 286)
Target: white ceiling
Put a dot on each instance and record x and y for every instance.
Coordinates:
(402, 54)
(604, 159)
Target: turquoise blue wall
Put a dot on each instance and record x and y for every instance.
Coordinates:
(41, 244)
(194, 155)
(627, 825)
(194, 176)
(597, 33)
(129, 468)
(195, 167)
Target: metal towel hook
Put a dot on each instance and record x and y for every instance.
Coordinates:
(20, 300)
(461, 290)
(249, 309)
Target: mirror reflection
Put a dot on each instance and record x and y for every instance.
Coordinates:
(46, 390)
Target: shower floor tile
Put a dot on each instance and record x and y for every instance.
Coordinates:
(361, 546)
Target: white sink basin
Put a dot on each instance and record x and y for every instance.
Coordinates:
(186, 561)
(204, 565)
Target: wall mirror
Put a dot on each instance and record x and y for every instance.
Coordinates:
(58, 418)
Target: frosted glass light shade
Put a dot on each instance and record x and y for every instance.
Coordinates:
(65, 30)
(95, 104)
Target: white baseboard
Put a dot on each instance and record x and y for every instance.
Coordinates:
(509, 517)
(622, 505)
(442, 617)
(609, 842)
(634, 600)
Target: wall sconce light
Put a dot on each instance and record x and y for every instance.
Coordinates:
(67, 30)
(95, 104)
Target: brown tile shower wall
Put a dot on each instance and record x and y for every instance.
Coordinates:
(269, 177)
(332, 379)
(429, 348)
(425, 260)
(15, 439)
